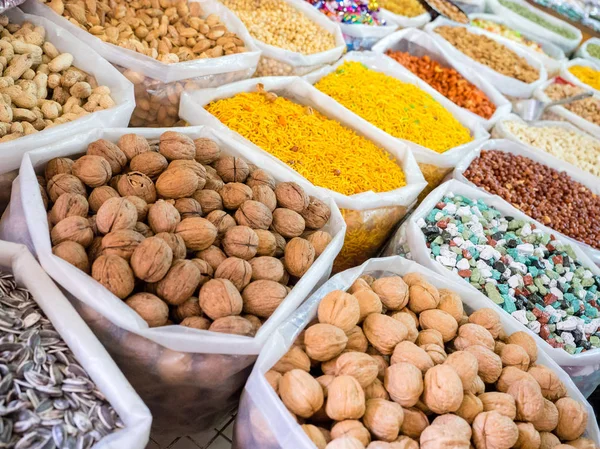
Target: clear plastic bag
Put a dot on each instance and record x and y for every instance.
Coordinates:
(264, 422)
(158, 85)
(366, 222)
(84, 345)
(576, 364)
(363, 37)
(189, 378)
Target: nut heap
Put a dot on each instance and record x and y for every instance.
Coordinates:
(395, 363)
(167, 30)
(181, 232)
(39, 86)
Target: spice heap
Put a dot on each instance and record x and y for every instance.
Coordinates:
(169, 31)
(406, 8)
(488, 52)
(530, 274)
(543, 193)
(593, 50)
(449, 10)
(182, 233)
(401, 109)
(448, 82)
(505, 31)
(363, 12)
(396, 363)
(41, 88)
(48, 399)
(588, 108)
(525, 12)
(586, 75)
(574, 147)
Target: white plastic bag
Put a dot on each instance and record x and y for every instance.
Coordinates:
(264, 422)
(85, 347)
(363, 37)
(567, 44)
(158, 85)
(404, 21)
(418, 43)
(87, 60)
(567, 75)
(508, 146)
(567, 115)
(189, 378)
(505, 84)
(370, 217)
(576, 364)
(552, 57)
(582, 51)
(471, 6)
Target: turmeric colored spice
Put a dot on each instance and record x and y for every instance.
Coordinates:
(406, 8)
(586, 75)
(401, 109)
(448, 82)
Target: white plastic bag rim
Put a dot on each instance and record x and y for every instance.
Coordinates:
(517, 148)
(93, 294)
(192, 110)
(150, 67)
(583, 52)
(89, 352)
(503, 106)
(567, 75)
(121, 92)
(287, 432)
(420, 254)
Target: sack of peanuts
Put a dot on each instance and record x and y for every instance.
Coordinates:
(505, 64)
(582, 72)
(373, 178)
(167, 292)
(409, 105)
(584, 114)
(162, 47)
(74, 373)
(414, 360)
(547, 284)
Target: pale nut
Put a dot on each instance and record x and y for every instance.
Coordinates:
(301, 393)
(351, 428)
(581, 443)
(368, 303)
(137, 184)
(67, 205)
(150, 307)
(267, 268)
(392, 291)
(149, 163)
(437, 354)
(409, 321)
(260, 177)
(315, 435)
(470, 407)
(451, 303)
(403, 442)
(441, 321)
(232, 325)
(291, 196)
(356, 340)
(140, 206)
(132, 145)
(514, 355)
(206, 271)
(213, 256)
(340, 309)
(324, 381)
(529, 438)
(473, 334)
(319, 240)
(56, 166)
(502, 403)
(382, 361)
(266, 242)
(442, 437)
(489, 319)
(324, 341)
(299, 255)
(414, 423)
(177, 182)
(273, 378)
(261, 298)
(99, 196)
(489, 365)
(232, 169)
(316, 214)
(234, 194)
(197, 233)
(196, 322)
(510, 375)
(408, 352)
(74, 228)
(529, 399)
(176, 244)
(455, 422)
(423, 296)
(491, 430)
(121, 243)
(114, 274)
(151, 259)
(345, 443)
(358, 365)
(240, 241)
(552, 387)
(180, 282)
(383, 419)
(221, 220)
(548, 419)
(430, 336)
(404, 383)
(207, 150)
(219, 298)
(526, 341)
(163, 217)
(384, 332)
(238, 271)
(376, 390)
(572, 419)
(345, 399)
(288, 223)
(73, 253)
(265, 196)
(466, 366)
(550, 441)
(109, 151)
(93, 171)
(295, 358)
(442, 389)
(174, 145)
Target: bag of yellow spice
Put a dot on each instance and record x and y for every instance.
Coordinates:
(387, 99)
(373, 178)
(583, 73)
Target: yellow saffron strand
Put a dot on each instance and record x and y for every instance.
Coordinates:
(401, 109)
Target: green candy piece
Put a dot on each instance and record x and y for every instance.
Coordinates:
(475, 275)
(570, 349)
(595, 341)
(493, 293)
(530, 316)
(588, 282)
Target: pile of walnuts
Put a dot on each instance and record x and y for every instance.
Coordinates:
(395, 363)
(182, 233)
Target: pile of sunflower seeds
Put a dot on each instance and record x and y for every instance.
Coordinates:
(47, 400)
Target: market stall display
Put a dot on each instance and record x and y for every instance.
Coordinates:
(406, 13)
(439, 369)
(590, 50)
(589, 76)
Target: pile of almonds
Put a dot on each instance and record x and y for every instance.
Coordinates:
(182, 233)
(39, 86)
(395, 363)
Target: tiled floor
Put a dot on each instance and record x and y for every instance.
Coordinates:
(218, 438)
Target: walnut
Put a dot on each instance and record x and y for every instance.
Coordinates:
(189, 308)
(179, 283)
(368, 303)
(415, 421)
(122, 243)
(288, 223)
(209, 200)
(442, 389)
(265, 195)
(383, 419)
(437, 354)
(109, 151)
(232, 169)
(67, 205)
(291, 196)
(315, 435)
(345, 399)
(175, 242)
(301, 393)
(261, 298)
(280, 243)
(488, 363)
(178, 182)
(163, 217)
(196, 322)
(299, 256)
(423, 296)
(143, 229)
(466, 366)
(197, 233)
(316, 214)
(384, 332)
(273, 377)
(358, 365)
(529, 438)
(220, 298)
(526, 341)
(356, 340)
(73, 253)
(174, 145)
(232, 325)
(404, 383)
(213, 255)
(191, 165)
(376, 390)
(266, 243)
(443, 437)
(115, 214)
(408, 352)
(240, 241)
(267, 268)
(456, 422)
(345, 443)
(254, 215)
(132, 145)
(430, 336)
(93, 171)
(552, 387)
(324, 341)
(340, 309)
(115, 274)
(491, 430)
(237, 270)
(140, 206)
(188, 207)
(150, 307)
(213, 180)
(351, 428)
(509, 375)
(470, 407)
(150, 163)
(151, 259)
(57, 166)
(137, 184)
(548, 419)
(473, 334)
(529, 399)
(441, 321)
(260, 177)
(550, 441)
(514, 355)
(581, 443)
(295, 358)
(319, 240)
(64, 183)
(95, 249)
(451, 303)
(234, 194)
(392, 291)
(487, 318)
(207, 150)
(572, 419)
(502, 403)
(75, 229)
